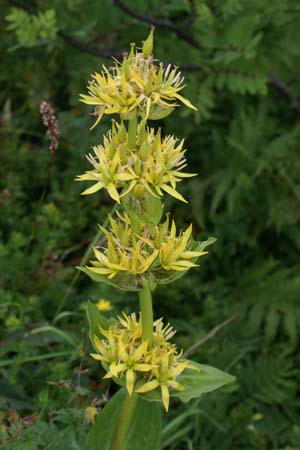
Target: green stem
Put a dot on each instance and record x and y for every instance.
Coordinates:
(145, 298)
(124, 422)
(132, 126)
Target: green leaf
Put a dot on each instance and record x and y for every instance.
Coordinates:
(201, 245)
(49, 329)
(31, 29)
(199, 382)
(144, 432)
(124, 282)
(95, 318)
(96, 276)
(146, 209)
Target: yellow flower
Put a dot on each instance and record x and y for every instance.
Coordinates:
(158, 163)
(104, 305)
(90, 413)
(123, 350)
(109, 171)
(132, 362)
(165, 371)
(174, 253)
(125, 355)
(124, 253)
(155, 164)
(136, 86)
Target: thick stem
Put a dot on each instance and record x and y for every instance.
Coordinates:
(132, 126)
(124, 421)
(145, 298)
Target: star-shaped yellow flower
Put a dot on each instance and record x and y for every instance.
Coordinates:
(125, 355)
(124, 252)
(137, 85)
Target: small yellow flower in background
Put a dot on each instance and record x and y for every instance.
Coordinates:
(125, 355)
(104, 305)
(90, 413)
(136, 86)
(156, 163)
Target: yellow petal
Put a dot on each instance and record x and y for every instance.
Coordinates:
(148, 387)
(140, 351)
(192, 254)
(172, 192)
(113, 192)
(185, 102)
(90, 176)
(184, 174)
(116, 368)
(130, 187)
(100, 270)
(97, 357)
(185, 263)
(125, 176)
(89, 100)
(96, 187)
(100, 114)
(148, 261)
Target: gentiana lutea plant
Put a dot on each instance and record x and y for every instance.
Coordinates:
(137, 166)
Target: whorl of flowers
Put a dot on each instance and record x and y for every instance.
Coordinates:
(156, 249)
(155, 163)
(137, 85)
(143, 367)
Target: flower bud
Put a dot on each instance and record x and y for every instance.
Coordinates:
(122, 132)
(138, 191)
(142, 133)
(144, 150)
(132, 48)
(148, 87)
(122, 152)
(125, 68)
(138, 167)
(111, 149)
(148, 44)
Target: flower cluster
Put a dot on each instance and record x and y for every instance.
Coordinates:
(137, 86)
(155, 248)
(154, 164)
(137, 166)
(143, 366)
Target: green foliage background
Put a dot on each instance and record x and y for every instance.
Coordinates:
(241, 61)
